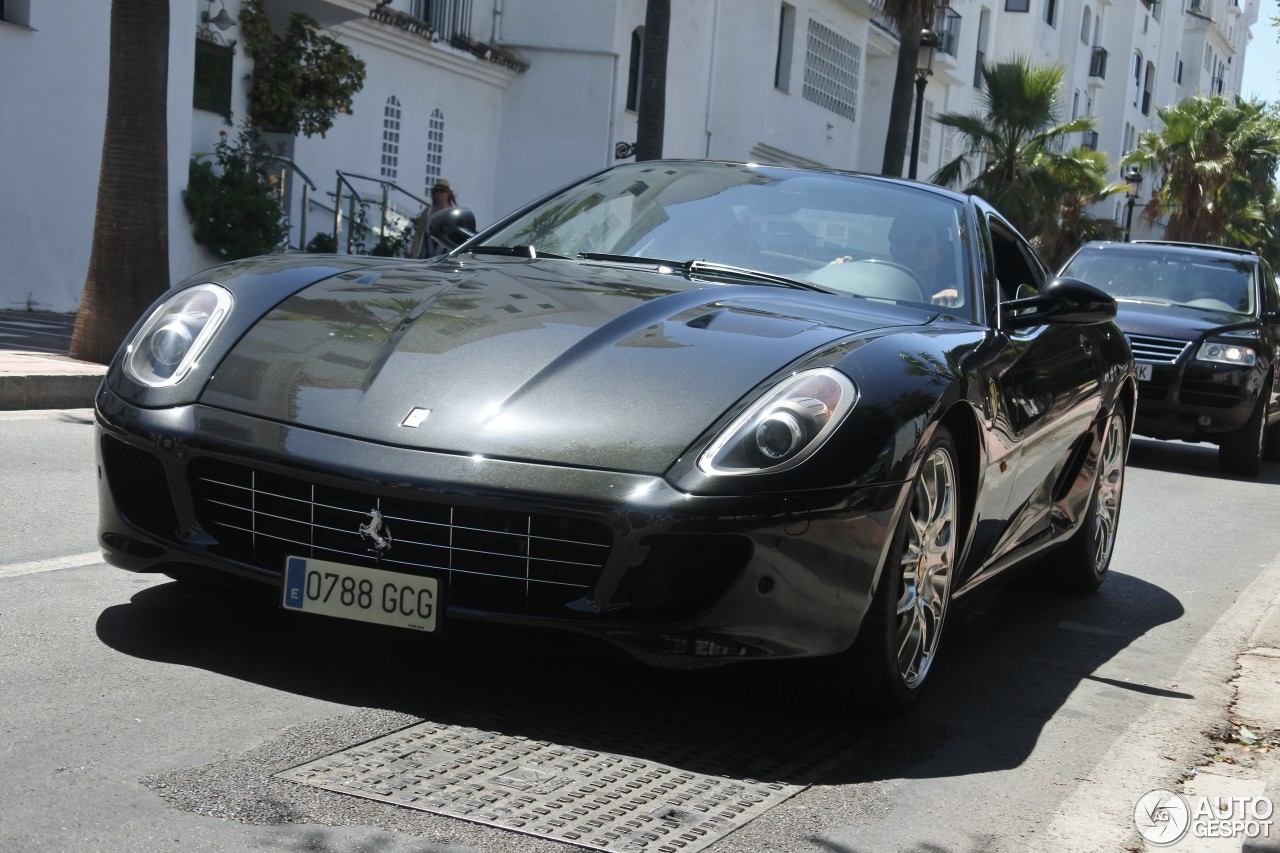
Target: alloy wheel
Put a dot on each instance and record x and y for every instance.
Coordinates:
(927, 563)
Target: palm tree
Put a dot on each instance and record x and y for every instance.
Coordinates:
(1215, 164)
(653, 81)
(129, 259)
(1012, 149)
(908, 17)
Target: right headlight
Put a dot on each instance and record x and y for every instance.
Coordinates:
(170, 343)
(784, 427)
(1223, 353)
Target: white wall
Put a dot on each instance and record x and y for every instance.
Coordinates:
(51, 118)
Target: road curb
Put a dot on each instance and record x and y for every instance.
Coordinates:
(73, 391)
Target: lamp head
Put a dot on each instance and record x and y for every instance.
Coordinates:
(929, 43)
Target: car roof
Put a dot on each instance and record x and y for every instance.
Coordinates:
(936, 189)
(1233, 252)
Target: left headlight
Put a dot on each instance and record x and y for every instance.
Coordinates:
(1222, 353)
(783, 427)
(170, 343)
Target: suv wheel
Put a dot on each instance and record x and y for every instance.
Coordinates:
(1241, 451)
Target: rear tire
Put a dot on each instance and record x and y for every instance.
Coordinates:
(1082, 562)
(1240, 452)
(901, 634)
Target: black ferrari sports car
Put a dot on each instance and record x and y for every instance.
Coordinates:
(703, 411)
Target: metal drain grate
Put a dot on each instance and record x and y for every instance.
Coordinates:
(601, 800)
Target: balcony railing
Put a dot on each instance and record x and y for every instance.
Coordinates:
(1089, 139)
(449, 18)
(1215, 85)
(1098, 63)
(947, 25)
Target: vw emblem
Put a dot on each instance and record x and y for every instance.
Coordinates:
(376, 530)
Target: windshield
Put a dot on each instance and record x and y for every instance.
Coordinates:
(847, 234)
(1167, 277)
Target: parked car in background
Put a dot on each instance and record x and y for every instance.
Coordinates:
(705, 412)
(1204, 325)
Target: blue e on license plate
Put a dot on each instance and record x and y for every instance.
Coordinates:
(361, 593)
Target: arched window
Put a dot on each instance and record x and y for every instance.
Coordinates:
(1148, 84)
(391, 138)
(435, 150)
(1084, 25)
(635, 69)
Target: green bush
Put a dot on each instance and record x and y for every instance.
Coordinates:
(301, 79)
(235, 210)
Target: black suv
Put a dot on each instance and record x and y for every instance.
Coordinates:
(1204, 325)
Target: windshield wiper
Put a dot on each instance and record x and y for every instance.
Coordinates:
(522, 251)
(707, 268)
(700, 267)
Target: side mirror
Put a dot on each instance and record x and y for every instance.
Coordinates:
(453, 227)
(1068, 301)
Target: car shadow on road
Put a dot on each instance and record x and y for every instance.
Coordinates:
(1012, 657)
(1198, 460)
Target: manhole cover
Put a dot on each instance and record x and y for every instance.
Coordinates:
(605, 800)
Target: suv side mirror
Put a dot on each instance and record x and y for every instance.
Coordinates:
(1068, 301)
(453, 227)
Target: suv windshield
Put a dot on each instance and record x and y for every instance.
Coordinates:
(1167, 276)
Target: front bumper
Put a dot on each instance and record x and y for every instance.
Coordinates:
(673, 578)
(1196, 401)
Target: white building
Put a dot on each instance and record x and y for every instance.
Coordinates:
(509, 99)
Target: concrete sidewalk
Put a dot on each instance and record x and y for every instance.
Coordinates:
(35, 370)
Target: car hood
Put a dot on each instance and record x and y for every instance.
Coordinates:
(1176, 321)
(541, 360)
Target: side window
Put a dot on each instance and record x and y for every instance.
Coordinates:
(1271, 295)
(1015, 262)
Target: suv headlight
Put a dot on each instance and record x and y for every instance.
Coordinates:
(170, 343)
(783, 427)
(1220, 353)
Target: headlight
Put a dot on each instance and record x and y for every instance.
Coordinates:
(1220, 353)
(171, 341)
(783, 427)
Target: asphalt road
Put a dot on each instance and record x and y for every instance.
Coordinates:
(137, 714)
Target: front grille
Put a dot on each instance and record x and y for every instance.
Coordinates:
(485, 558)
(138, 485)
(1157, 350)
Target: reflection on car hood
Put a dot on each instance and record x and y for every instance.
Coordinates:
(1176, 321)
(545, 360)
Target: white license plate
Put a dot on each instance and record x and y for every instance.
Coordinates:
(1144, 372)
(361, 593)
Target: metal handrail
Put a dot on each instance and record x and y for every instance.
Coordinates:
(386, 187)
(307, 187)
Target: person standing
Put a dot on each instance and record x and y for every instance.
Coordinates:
(442, 198)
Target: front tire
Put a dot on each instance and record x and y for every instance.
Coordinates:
(901, 634)
(1240, 452)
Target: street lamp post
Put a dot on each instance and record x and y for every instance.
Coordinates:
(929, 42)
(1133, 177)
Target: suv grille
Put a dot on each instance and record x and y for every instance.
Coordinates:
(485, 558)
(1157, 350)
